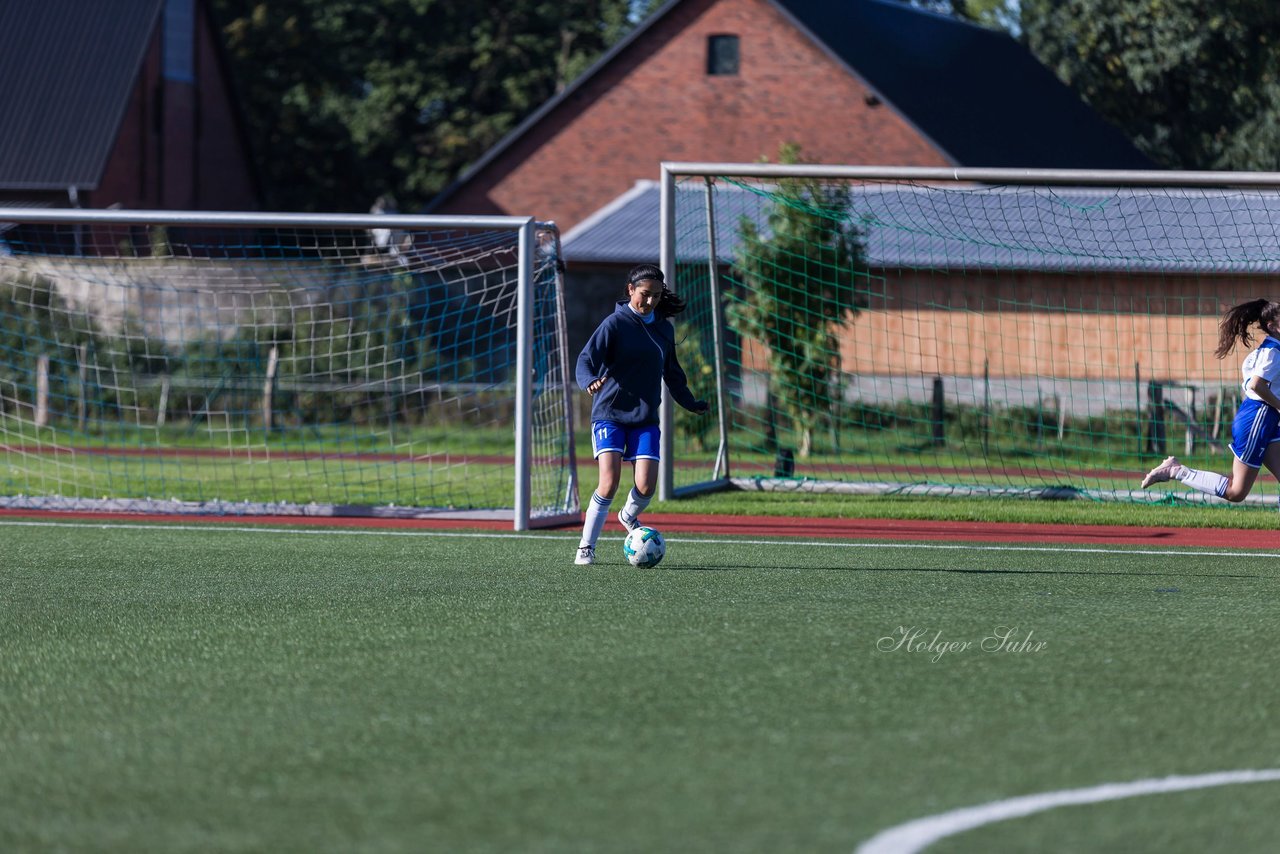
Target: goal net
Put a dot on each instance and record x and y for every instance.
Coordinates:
(960, 332)
(272, 364)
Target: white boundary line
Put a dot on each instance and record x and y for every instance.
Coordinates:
(917, 835)
(711, 539)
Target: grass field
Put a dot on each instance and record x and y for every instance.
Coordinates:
(237, 689)
(469, 466)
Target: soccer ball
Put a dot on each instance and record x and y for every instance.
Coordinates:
(644, 547)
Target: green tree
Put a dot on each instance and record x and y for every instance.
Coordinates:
(1195, 85)
(798, 283)
(997, 14)
(349, 99)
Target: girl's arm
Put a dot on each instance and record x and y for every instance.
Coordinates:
(1262, 388)
(678, 384)
(593, 361)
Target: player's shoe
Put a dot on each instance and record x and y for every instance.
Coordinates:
(628, 522)
(1165, 471)
(586, 556)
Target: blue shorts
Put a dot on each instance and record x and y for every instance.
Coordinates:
(634, 443)
(1253, 431)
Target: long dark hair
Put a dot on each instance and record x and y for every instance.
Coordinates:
(1236, 322)
(670, 303)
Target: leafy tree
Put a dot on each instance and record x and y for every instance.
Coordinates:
(349, 99)
(798, 284)
(997, 14)
(1194, 85)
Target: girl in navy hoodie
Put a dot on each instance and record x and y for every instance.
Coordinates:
(623, 365)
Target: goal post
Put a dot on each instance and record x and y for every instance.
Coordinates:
(296, 364)
(957, 332)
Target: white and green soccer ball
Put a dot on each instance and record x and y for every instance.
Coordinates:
(644, 547)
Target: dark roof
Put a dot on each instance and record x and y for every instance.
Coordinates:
(975, 93)
(1003, 228)
(978, 94)
(67, 69)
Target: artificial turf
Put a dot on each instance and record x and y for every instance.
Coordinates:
(169, 689)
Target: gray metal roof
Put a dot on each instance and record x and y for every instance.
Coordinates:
(67, 69)
(1008, 228)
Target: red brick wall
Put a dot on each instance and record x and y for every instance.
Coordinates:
(131, 178)
(223, 175)
(656, 102)
(181, 150)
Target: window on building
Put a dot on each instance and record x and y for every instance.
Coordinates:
(722, 54)
(178, 48)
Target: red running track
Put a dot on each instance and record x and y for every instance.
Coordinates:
(771, 526)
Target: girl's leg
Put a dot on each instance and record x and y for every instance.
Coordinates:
(1251, 431)
(610, 465)
(1234, 487)
(646, 475)
(1239, 484)
(1271, 459)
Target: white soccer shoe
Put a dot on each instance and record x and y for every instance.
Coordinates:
(628, 522)
(1161, 473)
(586, 556)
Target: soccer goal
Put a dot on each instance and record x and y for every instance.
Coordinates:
(1045, 333)
(238, 363)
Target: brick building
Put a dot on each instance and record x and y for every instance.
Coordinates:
(121, 103)
(857, 82)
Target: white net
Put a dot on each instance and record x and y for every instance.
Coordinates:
(963, 337)
(283, 367)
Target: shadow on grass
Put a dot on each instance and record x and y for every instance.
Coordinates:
(954, 570)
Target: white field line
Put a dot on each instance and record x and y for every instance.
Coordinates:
(919, 834)
(709, 539)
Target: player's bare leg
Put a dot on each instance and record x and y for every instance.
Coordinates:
(646, 474)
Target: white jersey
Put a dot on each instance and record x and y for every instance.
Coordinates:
(1263, 362)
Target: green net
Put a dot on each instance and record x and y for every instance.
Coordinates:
(280, 368)
(962, 339)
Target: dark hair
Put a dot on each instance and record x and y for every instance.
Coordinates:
(670, 303)
(1236, 322)
(641, 272)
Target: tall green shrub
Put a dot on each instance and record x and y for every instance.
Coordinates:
(797, 283)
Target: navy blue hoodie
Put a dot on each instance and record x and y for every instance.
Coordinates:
(637, 357)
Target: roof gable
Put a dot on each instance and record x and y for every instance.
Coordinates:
(67, 69)
(976, 93)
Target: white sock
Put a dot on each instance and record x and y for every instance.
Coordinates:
(1208, 482)
(635, 504)
(597, 512)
